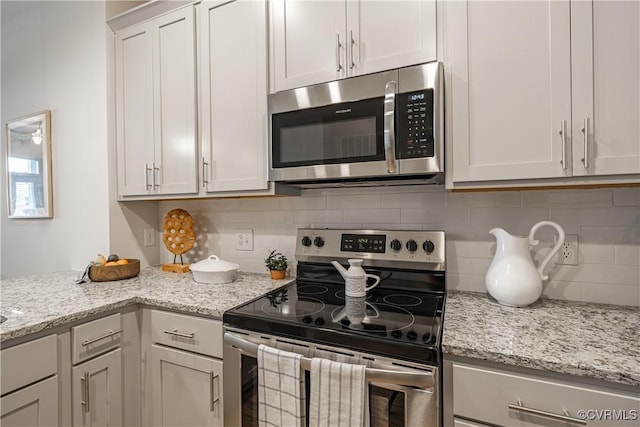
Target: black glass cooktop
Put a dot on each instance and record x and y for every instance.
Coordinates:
(400, 318)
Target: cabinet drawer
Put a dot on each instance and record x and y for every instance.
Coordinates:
(27, 363)
(194, 334)
(96, 337)
(485, 394)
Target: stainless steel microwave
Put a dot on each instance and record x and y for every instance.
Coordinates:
(379, 127)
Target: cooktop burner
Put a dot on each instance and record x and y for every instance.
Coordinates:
(401, 317)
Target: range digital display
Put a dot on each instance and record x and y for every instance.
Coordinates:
(375, 243)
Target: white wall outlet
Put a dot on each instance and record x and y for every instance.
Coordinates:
(568, 253)
(149, 237)
(244, 240)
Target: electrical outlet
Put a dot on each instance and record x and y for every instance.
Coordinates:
(568, 253)
(244, 240)
(149, 237)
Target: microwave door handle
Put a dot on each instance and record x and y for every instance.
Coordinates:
(389, 126)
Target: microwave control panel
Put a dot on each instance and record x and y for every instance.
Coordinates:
(415, 124)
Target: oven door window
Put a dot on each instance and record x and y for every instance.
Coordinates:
(334, 134)
(387, 407)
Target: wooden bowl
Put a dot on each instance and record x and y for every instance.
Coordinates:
(114, 272)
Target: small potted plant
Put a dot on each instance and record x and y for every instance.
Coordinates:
(277, 264)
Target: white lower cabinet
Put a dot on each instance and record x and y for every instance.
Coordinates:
(187, 388)
(34, 406)
(507, 398)
(97, 391)
(29, 384)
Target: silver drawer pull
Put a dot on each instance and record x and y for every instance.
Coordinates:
(180, 334)
(85, 392)
(519, 407)
(213, 399)
(107, 335)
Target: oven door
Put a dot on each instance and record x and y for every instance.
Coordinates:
(389, 404)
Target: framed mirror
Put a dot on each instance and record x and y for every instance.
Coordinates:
(29, 166)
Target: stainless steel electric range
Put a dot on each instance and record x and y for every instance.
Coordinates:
(395, 329)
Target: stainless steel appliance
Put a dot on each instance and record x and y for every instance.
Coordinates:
(379, 127)
(395, 330)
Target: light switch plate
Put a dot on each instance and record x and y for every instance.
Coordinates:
(149, 237)
(244, 239)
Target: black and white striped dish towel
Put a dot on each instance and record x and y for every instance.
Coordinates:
(338, 394)
(280, 388)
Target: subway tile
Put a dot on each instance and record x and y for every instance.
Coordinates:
(562, 290)
(389, 226)
(586, 197)
(465, 282)
(589, 253)
(597, 273)
(412, 200)
(255, 217)
(314, 216)
(618, 216)
(359, 216)
(610, 235)
(469, 249)
(302, 203)
(356, 201)
(485, 200)
(626, 196)
(610, 294)
(473, 266)
(627, 254)
(435, 215)
(516, 221)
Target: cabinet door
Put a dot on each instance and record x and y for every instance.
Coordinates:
(97, 391)
(134, 109)
(186, 388)
(606, 87)
(382, 35)
(175, 169)
(234, 95)
(309, 42)
(510, 89)
(33, 406)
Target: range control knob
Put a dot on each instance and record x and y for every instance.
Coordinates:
(428, 246)
(412, 246)
(396, 245)
(306, 241)
(318, 241)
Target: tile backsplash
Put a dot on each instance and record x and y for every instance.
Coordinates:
(606, 221)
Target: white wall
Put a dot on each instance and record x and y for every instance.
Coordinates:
(607, 222)
(53, 58)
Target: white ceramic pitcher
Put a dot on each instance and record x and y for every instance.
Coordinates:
(512, 278)
(355, 278)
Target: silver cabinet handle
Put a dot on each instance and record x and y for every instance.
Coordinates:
(389, 126)
(85, 392)
(212, 378)
(180, 334)
(563, 133)
(567, 418)
(154, 176)
(585, 131)
(205, 181)
(101, 337)
(352, 62)
(338, 46)
(147, 169)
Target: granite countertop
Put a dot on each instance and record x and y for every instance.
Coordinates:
(36, 303)
(584, 339)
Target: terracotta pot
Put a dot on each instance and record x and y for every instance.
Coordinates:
(277, 274)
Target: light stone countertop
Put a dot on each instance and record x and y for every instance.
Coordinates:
(584, 339)
(36, 303)
(588, 340)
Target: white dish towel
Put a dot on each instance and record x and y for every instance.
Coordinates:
(338, 396)
(280, 388)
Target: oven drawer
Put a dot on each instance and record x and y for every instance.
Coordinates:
(96, 337)
(492, 396)
(189, 333)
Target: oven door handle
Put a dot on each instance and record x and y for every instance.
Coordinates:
(382, 376)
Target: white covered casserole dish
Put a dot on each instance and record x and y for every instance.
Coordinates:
(214, 270)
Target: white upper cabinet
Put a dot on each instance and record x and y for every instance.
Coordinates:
(525, 77)
(510, 89)
(233, 95)
(605, 55)
(319, 41)
(155, 106)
